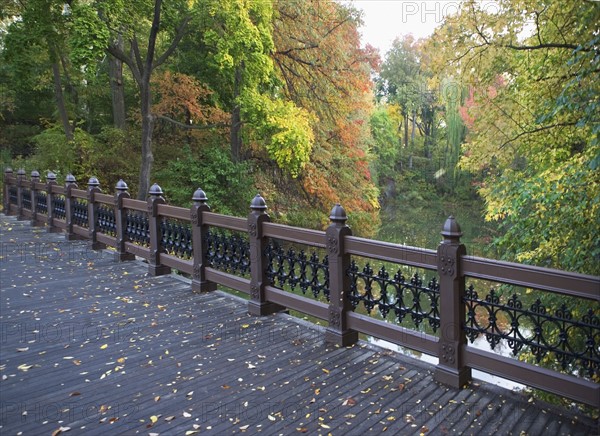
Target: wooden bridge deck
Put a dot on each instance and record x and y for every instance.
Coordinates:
(93, 346)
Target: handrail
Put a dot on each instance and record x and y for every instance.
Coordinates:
(175, 237)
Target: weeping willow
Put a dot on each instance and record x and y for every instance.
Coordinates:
(453, 96)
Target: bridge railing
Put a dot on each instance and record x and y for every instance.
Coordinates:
(436, 302)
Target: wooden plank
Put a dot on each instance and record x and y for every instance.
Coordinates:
(392, 333)
(228, 280)
(186, 266)
(138, 250)
(405, 255)
(296, 302)
(295, 234)
(225, 221)
(563, 282)
(106, 239)
(174, 212)
(577, 389)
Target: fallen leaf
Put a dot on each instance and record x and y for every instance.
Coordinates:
(226, 387)
(157, 399)
(272, 418)
(24, 367)
(170, 418)
(76, 362)
(245, 326)
(190, 432)
(121, 360)
(154, 418)
(21, 350)
(187, 415)
(324, 425)
(424, 429)
(349, 402)
(244, 427)
(74, 394)
(302, 429)
(104, 346)
(326, 371)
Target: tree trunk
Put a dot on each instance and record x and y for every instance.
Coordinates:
(405, 116)
(147, 155)
(413, 127)
(115, 69)
(60, 101)
(236, 118)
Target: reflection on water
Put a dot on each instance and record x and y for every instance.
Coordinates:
(479, 343)
(419, 224)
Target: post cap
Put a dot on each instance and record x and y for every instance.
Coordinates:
(21, 172)
(451, 229)
(121, 186)
(8, 170)
(338, 214)
(51, 176)
(93, 181)
(258, 203)
(35, 174)
(70, 178)
(156, 190)
(200, 195)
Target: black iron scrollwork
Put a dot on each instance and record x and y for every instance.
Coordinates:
(228, 252)
(12, 195)
(396, 295)
(41, 205)
(570, 334)
(295, 268)
(105, 220)
(176, 238)
(79, 209)
(26, 199)
(138, 228)
(58, 207)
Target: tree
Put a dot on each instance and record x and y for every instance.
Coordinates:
(533, 123)
(128, 20)
(323, 68)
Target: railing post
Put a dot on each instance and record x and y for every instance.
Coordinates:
(199, 233)
(154, 199)
(8, 172)
(70, 184)
(451, 369)
(339, 283)
(50, 181)
(93, 188)
(121, 221)
(20, 183)
(35, 178)
(258, 304)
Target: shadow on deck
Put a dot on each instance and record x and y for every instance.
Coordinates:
(94, 346)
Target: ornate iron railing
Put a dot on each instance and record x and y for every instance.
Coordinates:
(26, 199)
(80, 213)
(12, 195)
(58, 207)
(41, 205)
(325, 274)
(176, 238)
(397, 296)
(566, 335)
(138, 228)
(228, 251)
(105, 220)
(292, 268)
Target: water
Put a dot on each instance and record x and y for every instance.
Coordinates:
(419, 224)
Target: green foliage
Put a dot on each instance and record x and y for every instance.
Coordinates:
(89, 37)
(228, 185)
(385, 145)
(287, 129)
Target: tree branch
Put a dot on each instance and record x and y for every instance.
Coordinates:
(178, 36)
(191, 126)
(539, 129)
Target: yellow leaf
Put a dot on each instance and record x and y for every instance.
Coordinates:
(121, 360)
(154, 418)
(104, 346)
(157, 399)
(326, 371)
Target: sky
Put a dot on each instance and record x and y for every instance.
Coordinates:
(385, 20)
